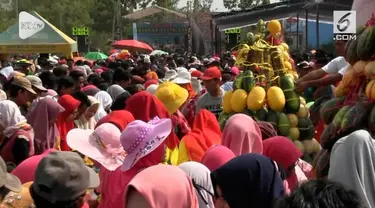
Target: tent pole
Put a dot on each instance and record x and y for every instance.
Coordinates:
(16, 9)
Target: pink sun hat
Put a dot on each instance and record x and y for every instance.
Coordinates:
(102, 145)
(140, 139)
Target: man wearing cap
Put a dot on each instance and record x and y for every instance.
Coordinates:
(330, 74)
(36, 84)
(212, 100)
(8, 182)
(21, 92)
(62, 180)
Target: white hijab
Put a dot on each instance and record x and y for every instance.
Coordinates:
(10, 117)
(352, 163)
(115, 90)
(200, 175)
(105, 101)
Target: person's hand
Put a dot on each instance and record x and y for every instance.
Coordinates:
(301, 86)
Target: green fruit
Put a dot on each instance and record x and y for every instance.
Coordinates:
(261, 114)
(249, 112)
(306, 129)
(283, 124)
(330, 108)
(351, 54)
(293, 101)
(237, 83)
(248, 81)
(273, 117)
(223, 118)
(250, 37)
(340, 115)
(348, 118)
(366, 46)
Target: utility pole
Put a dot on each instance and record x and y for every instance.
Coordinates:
(190, 39)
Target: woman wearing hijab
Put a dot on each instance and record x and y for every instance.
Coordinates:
(90, 90)
(86, 120)
(17, 136)
(352, 164)
(205, 134)
(155, 188)
(120, 102)
(115, 90)
(284, 152)
(112, 183)
(105, 101)
(200, 176)
(242, 135)
(65, 120)
(3, 95)
(249, 180)
(217, 156)
(43, 120)
(145, 107)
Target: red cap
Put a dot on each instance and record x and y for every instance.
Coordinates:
(211, 73)
(196, 73)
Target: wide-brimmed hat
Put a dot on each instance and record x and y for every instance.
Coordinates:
(23, 83)
(8, 180)
(172, 96)
(140, 139)
(102, 144)
(183, 77)
(169, 75)
(36, 82)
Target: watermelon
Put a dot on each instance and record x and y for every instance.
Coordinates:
(366, 46)
(283, 124)
(306, 129)
(248, 81)
(293, 101)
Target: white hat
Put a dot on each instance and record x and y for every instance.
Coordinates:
(152, 88)
(181, 69)
(182, 78)
(169, 75)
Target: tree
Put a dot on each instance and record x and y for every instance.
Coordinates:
(245, 4)
(206, 5)
(230, 4)
(168, 4)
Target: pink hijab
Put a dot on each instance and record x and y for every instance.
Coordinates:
(25, 171)
(42, 118)
(163, 186)
(242, 135)
(216, 156)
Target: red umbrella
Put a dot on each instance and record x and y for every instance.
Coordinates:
(135, 44)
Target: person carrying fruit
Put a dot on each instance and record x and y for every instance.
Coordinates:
(330, 74)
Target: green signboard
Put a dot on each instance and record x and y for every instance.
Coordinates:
(80, 31)
(233, 30)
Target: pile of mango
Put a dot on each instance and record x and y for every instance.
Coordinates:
(279, 105)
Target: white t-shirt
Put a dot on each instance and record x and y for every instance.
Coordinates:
(212, 104)
(337, 65)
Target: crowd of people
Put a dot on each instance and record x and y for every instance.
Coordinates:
(143, 132)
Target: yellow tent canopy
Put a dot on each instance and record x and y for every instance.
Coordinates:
(48, 40)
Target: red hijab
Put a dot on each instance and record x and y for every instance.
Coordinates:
(119, 118)
(145, 107)
(205, 133)
(217, 156)
(70, 105)
(285, 152)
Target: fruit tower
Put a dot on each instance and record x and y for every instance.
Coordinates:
(353, 108)
(265, 87)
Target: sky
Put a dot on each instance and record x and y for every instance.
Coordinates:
(217, 5)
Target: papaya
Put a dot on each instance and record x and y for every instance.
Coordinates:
(330, 108)
(366, 46)
(356, 116)
(261, 114)
(237, 83)
(350, 79)
(238, 100)
(256, 98)
(248, 80)
(306, 129)
(341, 90)
(370, 90)
(293, 101)
(370, 70)
(359, 31)
(283, 124)
(359, 68)
(272, 118)
(340, 115)
(275, 98)
(226, 102)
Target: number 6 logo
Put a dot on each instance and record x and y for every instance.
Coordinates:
(343, 23)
